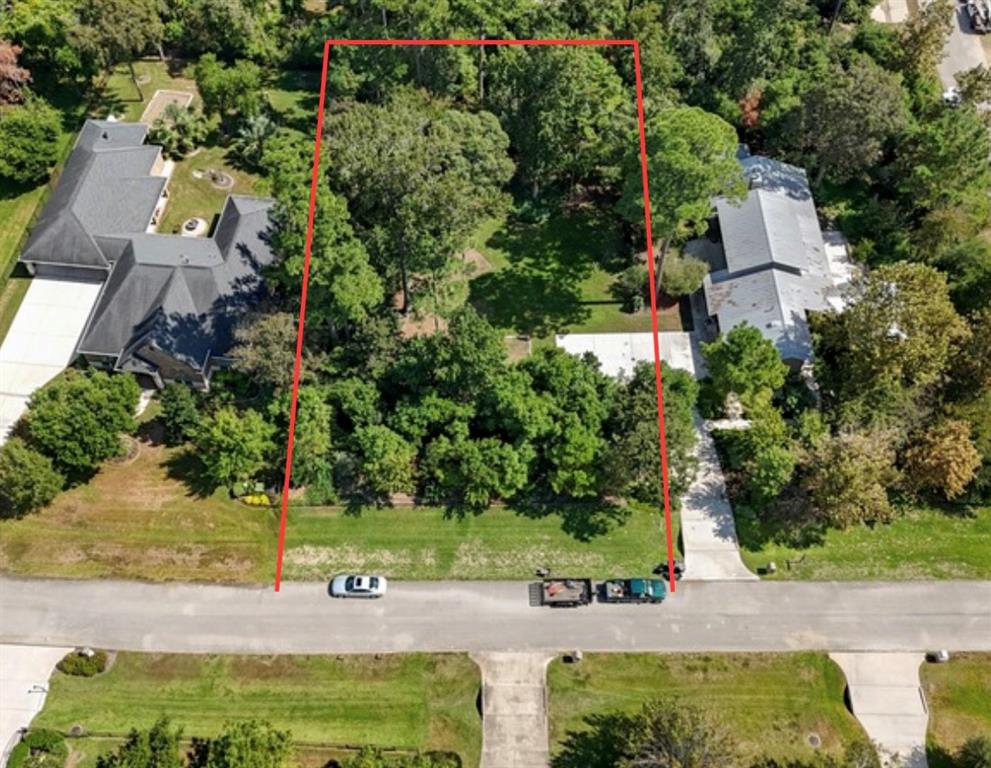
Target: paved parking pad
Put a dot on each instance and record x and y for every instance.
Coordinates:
(41, 341)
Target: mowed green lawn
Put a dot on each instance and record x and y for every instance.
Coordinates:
(556, 276)
(500, 543)
(959, 697)
(409, 702)
(139, 520)
(923, 543)
(769, 702)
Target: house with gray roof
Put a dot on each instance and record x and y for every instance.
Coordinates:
(777, 266)
(169, 303)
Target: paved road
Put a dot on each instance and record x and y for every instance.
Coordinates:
(496, 616)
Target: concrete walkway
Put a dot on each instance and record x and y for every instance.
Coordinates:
(708, 531)
(886, 697)
(514, 709)
(24, 673)
(890, 11)
(619, 353)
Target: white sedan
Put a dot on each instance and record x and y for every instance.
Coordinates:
(353, 585)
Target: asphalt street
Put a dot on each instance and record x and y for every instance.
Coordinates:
(487, 616)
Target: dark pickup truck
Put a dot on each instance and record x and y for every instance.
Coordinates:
(633, 591)
(566, 593)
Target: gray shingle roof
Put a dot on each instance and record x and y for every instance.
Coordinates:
(182, 295)
(105, 188)
(776, 263)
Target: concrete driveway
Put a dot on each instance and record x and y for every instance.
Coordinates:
(886, 697)
(620, 352)
(41, 340)
(963, 49)
(24, 673)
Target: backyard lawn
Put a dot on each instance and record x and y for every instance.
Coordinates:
(140, 520)
(406, 702)
(771, 703)
(959, 697)
(556, 276)
(921, 543)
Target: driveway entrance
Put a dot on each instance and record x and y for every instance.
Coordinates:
(41, 341)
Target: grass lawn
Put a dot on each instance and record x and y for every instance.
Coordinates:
(190, 196)
(140, 520)
(769, 702)
(920, 544)
(415, 701)
(556, 276)
(959, 696)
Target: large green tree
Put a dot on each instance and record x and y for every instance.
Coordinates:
(418, 176)
(77, 420)
(386, 460)
(119, 31)
(566, 110)
(28, 481)
(248, 744)
(158, 747)
(744, 363)
(898, 334)
(233, 446)
(29, 141)
(691, 158)
(846, 120)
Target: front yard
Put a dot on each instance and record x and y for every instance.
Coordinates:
(959, 697)
(771, 703)
(400, 702)
(921, 543)
(140, 520)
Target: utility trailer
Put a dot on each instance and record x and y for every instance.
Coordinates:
(979, 13)
(566, 593)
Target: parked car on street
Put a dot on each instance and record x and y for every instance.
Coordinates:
(355, 585)
(632, 591)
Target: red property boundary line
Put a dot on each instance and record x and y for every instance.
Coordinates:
(650, 268)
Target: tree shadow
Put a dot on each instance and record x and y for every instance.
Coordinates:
(583, 522)
(540, 291)
(186, 467)
(939, 757)
(600, 746)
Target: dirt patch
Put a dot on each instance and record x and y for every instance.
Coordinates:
(161, 100)
(477, 263)
(473, 557)
(518, 348)
(323, 562)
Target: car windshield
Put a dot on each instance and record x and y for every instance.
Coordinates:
(349, 583)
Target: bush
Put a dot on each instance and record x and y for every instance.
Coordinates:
(78, 665)
(682, 275)
(257, 500)
(39, 749)
(631, 288)
(29, 135)
(27, 479)
(180, 413)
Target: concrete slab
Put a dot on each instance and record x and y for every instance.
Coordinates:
(887, 698)
(708, 530)
(619, 353)
(24, 673)
(514, 709)
(41, 341)
(890, 11)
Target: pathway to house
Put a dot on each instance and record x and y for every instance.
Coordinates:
(887, 698)
(24, 673)
(708, 531)
(41, 341)
(514, 709)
